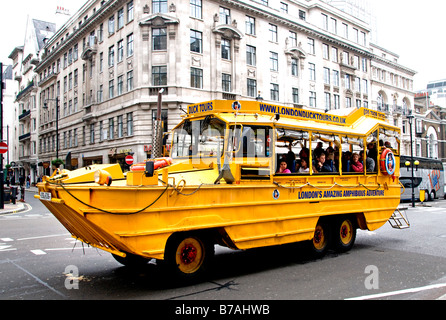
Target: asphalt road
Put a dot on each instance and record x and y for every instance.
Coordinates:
(40, 261)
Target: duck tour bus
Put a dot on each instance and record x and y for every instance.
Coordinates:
(241, 174)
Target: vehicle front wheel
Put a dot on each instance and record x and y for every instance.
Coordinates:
(188, 256)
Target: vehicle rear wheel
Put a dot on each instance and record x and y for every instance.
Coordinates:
(188, 256)
(344, 235)
(321, 240)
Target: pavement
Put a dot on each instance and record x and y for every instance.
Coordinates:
(18, 206)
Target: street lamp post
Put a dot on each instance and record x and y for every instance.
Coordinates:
(410, 118)
(45, 105)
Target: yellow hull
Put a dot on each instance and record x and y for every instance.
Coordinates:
(242, 216)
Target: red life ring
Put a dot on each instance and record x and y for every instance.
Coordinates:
(387, 162)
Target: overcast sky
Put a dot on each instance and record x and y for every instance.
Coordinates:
(412, 29)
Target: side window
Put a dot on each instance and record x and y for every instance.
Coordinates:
(352, 161)
(325, 153)
(254, 141)
(389, 139)
(292, 152)
(372, 153)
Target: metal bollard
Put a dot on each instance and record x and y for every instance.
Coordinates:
(22, 193)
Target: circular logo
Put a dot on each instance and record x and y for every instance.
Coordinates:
(236, 106)
(276, 194)
(390, 163)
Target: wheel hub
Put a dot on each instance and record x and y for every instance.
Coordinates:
(188, 254)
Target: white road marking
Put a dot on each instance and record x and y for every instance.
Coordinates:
(6, 239)
(398, 292)
(41, 237)
(38, 252)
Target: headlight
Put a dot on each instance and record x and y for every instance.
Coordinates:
(102, 177)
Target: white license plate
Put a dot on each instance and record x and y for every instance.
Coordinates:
(45, 196)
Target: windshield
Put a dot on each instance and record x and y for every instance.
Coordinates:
(199, 138)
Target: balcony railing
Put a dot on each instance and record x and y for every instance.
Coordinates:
(24, 114)
(25, 136)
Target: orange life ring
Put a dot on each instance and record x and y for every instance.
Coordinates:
(387, 162)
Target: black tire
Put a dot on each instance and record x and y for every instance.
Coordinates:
(131, 260)
(188, 256)
(321, 239)
(344, 233)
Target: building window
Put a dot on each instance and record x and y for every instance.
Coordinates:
(130, 80)
(111, 56)
(120, 50)
(324, 21)
(92, 133)
(250, 25)
(195, 9)
(250, 55)
(273, 32)
(159, 76)
(121, 18)
(325, 51)
(326, 76)
(274, 61)
(337, 101)
(196, 41)
(252, 87)
(111, 89)
(111, 128)
(313, 99)
(120, 85)
(294, 67)
(327, 97)
(159, 6)
(312, 69)
(336, 78)
(100, 94)
(334, 54)
(130, 11)
(130, 124)
(226, 49)
(111, 25)
(274, 91)
(225, 16)
(120, 127)
(293, 39)
(295, 94)
(348, 102)
(347, 81)
(226, 82)
(130, 45)
(302, 15)
(159, 38)
(284, 7)
(196, 78)
(311, 49)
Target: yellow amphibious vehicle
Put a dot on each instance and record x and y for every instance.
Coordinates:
(241, 174)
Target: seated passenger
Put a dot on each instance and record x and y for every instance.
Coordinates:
(304, 166)
(320, 165)
(355, 164)
(283, 167)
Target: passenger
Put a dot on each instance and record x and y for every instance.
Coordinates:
(304, 153)
(387, 144)
(346, 160)
(304, 166)
(372, 153)
(320, 165)
(283, 167)
(355, 164)
(318, 150)
(290, 157)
